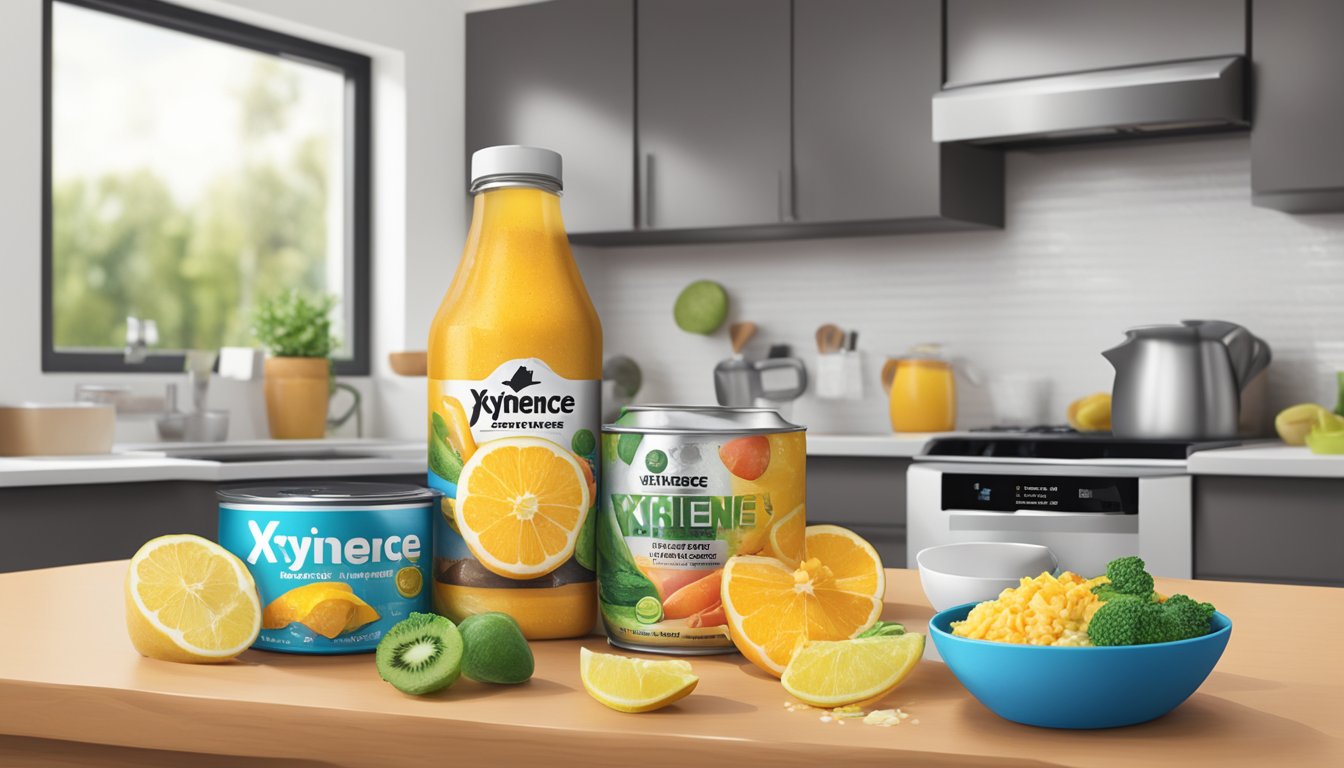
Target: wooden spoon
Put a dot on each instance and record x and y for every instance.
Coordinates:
(830, 339)
(741, 333)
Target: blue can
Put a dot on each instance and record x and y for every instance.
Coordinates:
(337, 564)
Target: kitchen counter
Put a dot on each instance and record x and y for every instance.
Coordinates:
(1269, 458)
(69, 680)
(228, 462)
(898, 445)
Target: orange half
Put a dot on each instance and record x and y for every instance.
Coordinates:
(520, 504)
(773, 608)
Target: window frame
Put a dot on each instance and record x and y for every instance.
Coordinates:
(357, 70)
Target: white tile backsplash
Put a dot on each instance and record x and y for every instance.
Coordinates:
(1099, 238)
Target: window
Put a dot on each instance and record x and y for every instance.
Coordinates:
(194, 165)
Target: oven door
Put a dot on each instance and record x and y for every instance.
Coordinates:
(1087, 516)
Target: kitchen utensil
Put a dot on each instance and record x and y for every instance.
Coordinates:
(840, 373)
(1107, 687)
(737, 381)
(741, 333)
(1019, 399)
(830, 339)
(409, 363)
(56, 429)
(921, 389)
(1183, 381)
(953, 574)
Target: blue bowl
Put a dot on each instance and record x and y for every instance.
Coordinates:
(1070, 687)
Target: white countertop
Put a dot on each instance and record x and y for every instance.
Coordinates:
(163, 461)
(899, 445)
(1269, 458)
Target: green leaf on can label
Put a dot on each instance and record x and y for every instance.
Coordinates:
(439, 426)
(585, 549)
(626, 446)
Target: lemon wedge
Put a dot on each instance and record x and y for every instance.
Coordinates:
(834, 673)
(635, 685)
(189, 599)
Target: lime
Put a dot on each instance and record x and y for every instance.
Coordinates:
(583, 442)
(495, 649)
(626, 446)
(701, 307)
(648, 610)
(656, 461)
(409, 581)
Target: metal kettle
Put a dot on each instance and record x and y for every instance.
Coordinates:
(1183, 382)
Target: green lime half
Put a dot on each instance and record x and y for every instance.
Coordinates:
(648, 610)
(701, 307)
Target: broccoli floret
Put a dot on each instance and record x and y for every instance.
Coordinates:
(1186, 618)
(1107, 593)
(1127, 576)
(1139, 622)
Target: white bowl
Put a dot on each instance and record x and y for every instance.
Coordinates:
(970, 572)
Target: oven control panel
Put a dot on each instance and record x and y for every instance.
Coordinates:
(1050, 493)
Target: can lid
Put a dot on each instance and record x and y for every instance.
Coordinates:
(515, 164)
(700, 420)
(329, 494)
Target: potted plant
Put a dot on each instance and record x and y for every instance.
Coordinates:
(296, 332)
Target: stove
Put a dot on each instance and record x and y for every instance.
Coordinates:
(1055, 444)
(1090, 497)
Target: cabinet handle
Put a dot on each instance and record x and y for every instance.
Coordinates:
(646, 196)
(779, 194)
(787, 204)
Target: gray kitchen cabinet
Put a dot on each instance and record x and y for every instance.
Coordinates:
(1283, 530)
(989, 40)
(864, 73)
(864, 494)
(560, 75)
(713, 113)
(1296, 160)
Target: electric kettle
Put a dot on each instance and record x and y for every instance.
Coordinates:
(1183, 382)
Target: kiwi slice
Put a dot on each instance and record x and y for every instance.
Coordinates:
(421, 654)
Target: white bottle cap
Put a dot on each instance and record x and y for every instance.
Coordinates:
(512, 164)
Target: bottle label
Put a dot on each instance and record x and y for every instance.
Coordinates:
(515, 455)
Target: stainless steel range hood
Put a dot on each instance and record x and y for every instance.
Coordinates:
(1179, 96)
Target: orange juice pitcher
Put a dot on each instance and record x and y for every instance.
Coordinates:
(515, 371)
(922, 390)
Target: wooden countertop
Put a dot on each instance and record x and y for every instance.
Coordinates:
(70, 685)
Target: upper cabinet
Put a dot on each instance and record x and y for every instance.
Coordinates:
(713, 113)
(703, 120)
(1297, 163)
(991, 40)
(560, 74)
(864, 72)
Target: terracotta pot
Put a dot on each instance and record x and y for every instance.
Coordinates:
(297, 391)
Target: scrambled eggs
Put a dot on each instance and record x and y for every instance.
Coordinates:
(1040, 611)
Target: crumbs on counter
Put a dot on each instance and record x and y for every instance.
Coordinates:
(882, 718)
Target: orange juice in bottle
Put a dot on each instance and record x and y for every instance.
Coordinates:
(922, 391)
(515, 370)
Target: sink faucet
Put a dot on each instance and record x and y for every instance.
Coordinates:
(140, 336)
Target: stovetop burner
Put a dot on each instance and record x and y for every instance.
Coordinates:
(1039, 429)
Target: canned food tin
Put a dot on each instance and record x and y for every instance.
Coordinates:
(685, 489)
(336, 565)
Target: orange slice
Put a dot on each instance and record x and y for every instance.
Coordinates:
(787, 536)
(520, 504)
(189, 599)
(774, 608)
